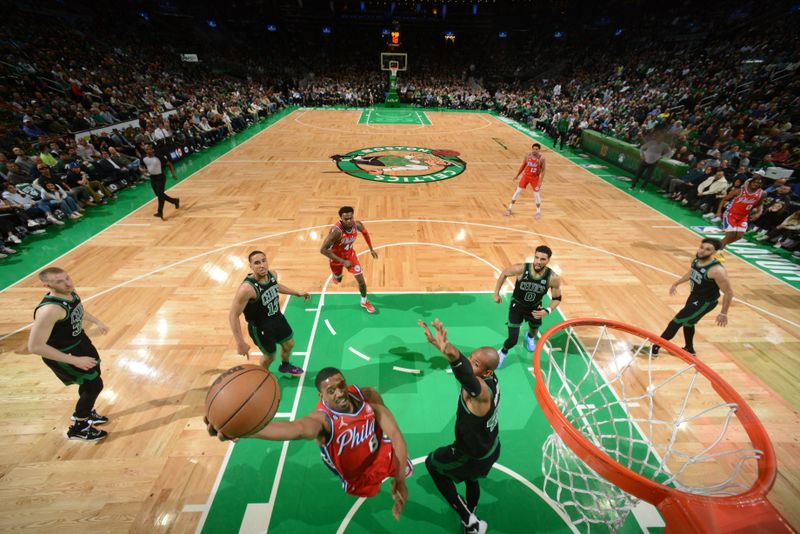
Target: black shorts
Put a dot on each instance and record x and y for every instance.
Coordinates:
(269, 334)
(69, 374)
(693, 311)
(454, 464)
(518, 313)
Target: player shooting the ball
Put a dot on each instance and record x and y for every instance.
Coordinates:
(357, 435)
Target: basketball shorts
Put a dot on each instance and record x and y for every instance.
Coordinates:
(458, 466)
(350, 255)
(732, 223)
(271, 333)
(517, 313)
(69, 374)
(693, 311)
(527, 180)
(384, 466)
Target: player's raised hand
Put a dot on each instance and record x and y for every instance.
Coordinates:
(440, 340)
(399, 495)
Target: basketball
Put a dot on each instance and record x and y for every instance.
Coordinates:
(242, 400)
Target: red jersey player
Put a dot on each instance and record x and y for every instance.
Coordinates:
(532, 171)
(357, 435)
(338, 248)
(734, 221)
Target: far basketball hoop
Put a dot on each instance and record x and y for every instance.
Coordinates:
(393, 62)
(394, 66)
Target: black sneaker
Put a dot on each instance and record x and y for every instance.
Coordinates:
(86, 433)
(94, 418)
(690, 351)
(177, 203)
(290, 369)
(475, 526)
(655, 350)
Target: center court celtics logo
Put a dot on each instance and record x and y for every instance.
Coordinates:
(401, 164)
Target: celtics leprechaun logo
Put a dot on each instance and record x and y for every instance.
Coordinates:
(401, 164)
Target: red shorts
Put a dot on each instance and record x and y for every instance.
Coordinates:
(350, 255)
(369, 483)
(528, 179)
(732, 222)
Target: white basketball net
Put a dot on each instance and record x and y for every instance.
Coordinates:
(658, 416)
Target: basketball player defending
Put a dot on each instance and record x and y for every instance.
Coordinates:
(532, 170)
(58, 337)
(357, 435)
(706, 277)
(338, 248)
(734, 221)
(477, 444)
(258, 299)
(533, 282)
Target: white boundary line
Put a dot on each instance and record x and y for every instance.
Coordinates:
(435, 221)
(117, 223)
(330, 328)
(406, 370)
(359, 354)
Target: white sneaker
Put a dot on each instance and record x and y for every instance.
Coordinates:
(475, 525)
(74, 215)
(716, 219)
(502, 354)
(709, 215)
(54, 220)
(14, 239)
(538, 215)
(507, 212)
(31, 223)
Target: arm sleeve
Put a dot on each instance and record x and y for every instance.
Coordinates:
(462, 370)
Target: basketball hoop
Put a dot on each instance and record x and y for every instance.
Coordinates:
(665, 429)
(394, 66)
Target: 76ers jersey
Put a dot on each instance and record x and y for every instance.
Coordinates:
(532, 166)
(741, 205)
(357, 451)
(345, 243)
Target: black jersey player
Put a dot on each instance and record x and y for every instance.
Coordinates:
(477, 436)
(534, 280)
(706, 277)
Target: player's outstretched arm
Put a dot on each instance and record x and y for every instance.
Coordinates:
(389, 425)
(243, 295)
(512, 270)
(685, 278)
(361, 228)
(440, 340)
(286, 290)
(311, 426)
(720, 276)
(97, 322)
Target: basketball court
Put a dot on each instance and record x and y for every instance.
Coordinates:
(164, 289)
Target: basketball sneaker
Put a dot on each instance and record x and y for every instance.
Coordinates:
(86, 432)
(690, 351)
(367, 305)
(530, 343)
(720, 256)
(502, 354)
(507, 212)
(475, 526)
(94, 418)
(654, 351)
(537, 215)
(289, 369)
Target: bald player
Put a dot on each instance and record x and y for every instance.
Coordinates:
(477, 446)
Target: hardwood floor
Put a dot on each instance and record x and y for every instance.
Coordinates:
(164, 289)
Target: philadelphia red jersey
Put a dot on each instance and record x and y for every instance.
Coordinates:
(741, 205)
(345, 243)
(357, 450)
(532, 166)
